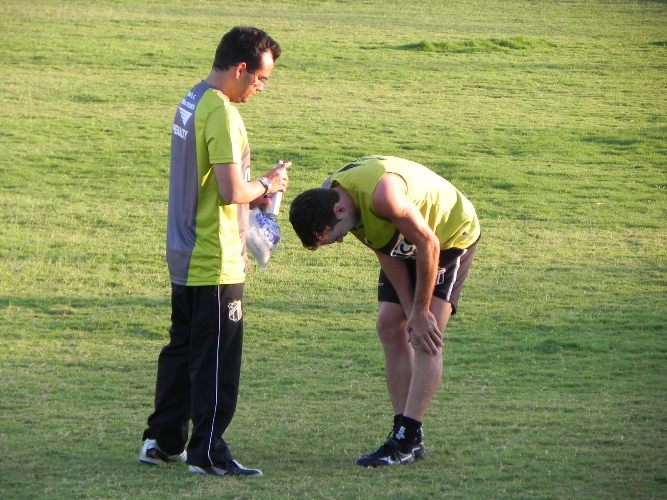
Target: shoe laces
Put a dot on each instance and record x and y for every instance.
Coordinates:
(393, 448)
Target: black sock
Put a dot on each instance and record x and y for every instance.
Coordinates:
(406, 429)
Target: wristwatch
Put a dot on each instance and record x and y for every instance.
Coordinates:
(264, 181)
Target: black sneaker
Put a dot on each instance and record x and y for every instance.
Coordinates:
(418, 449)
(152, 454)
(389, 453)
(231, 468)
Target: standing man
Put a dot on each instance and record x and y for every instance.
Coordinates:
(424, 232)
(209, 195)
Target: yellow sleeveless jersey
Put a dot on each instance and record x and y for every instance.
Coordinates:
(445, 209)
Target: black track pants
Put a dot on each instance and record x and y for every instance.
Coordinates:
(198, 372)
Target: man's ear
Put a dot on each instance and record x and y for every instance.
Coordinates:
(240, 68)
(339, 209)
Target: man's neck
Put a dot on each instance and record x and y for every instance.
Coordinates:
(220, 80)
(347, 201)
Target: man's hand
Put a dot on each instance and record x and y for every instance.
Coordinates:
(279, 180)
(278, 177)
(261, 202)
(424, 333)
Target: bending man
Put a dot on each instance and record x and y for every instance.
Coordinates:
(424, 232)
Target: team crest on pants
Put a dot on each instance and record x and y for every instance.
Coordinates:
(235, 311)
(440, 279)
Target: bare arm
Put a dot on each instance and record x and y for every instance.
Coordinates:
(233, 188)
(397, 273)
(390, 201)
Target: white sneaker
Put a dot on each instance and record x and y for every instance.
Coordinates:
(153, 455)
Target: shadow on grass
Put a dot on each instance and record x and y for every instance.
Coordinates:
(477, 45)
(612, 141)
(64, 305)
(62, 316)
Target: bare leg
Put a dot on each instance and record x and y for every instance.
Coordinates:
(398, 353)
(427, 372)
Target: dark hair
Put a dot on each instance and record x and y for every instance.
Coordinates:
(244, 44)
(312, 214)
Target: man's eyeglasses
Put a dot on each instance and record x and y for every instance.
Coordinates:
(262, 80)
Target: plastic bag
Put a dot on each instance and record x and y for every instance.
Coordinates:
(263, 236)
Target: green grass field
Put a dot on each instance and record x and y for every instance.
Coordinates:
(549, 115)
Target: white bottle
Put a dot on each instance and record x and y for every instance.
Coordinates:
(273, 208)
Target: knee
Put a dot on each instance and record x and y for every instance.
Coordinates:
(391, 331)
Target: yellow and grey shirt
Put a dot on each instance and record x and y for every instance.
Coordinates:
(445, 209)
(205, 235)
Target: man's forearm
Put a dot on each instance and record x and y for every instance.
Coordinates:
(427, 271)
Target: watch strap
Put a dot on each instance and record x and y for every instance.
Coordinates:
(264, 181)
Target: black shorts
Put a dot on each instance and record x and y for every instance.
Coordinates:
(453, 267)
